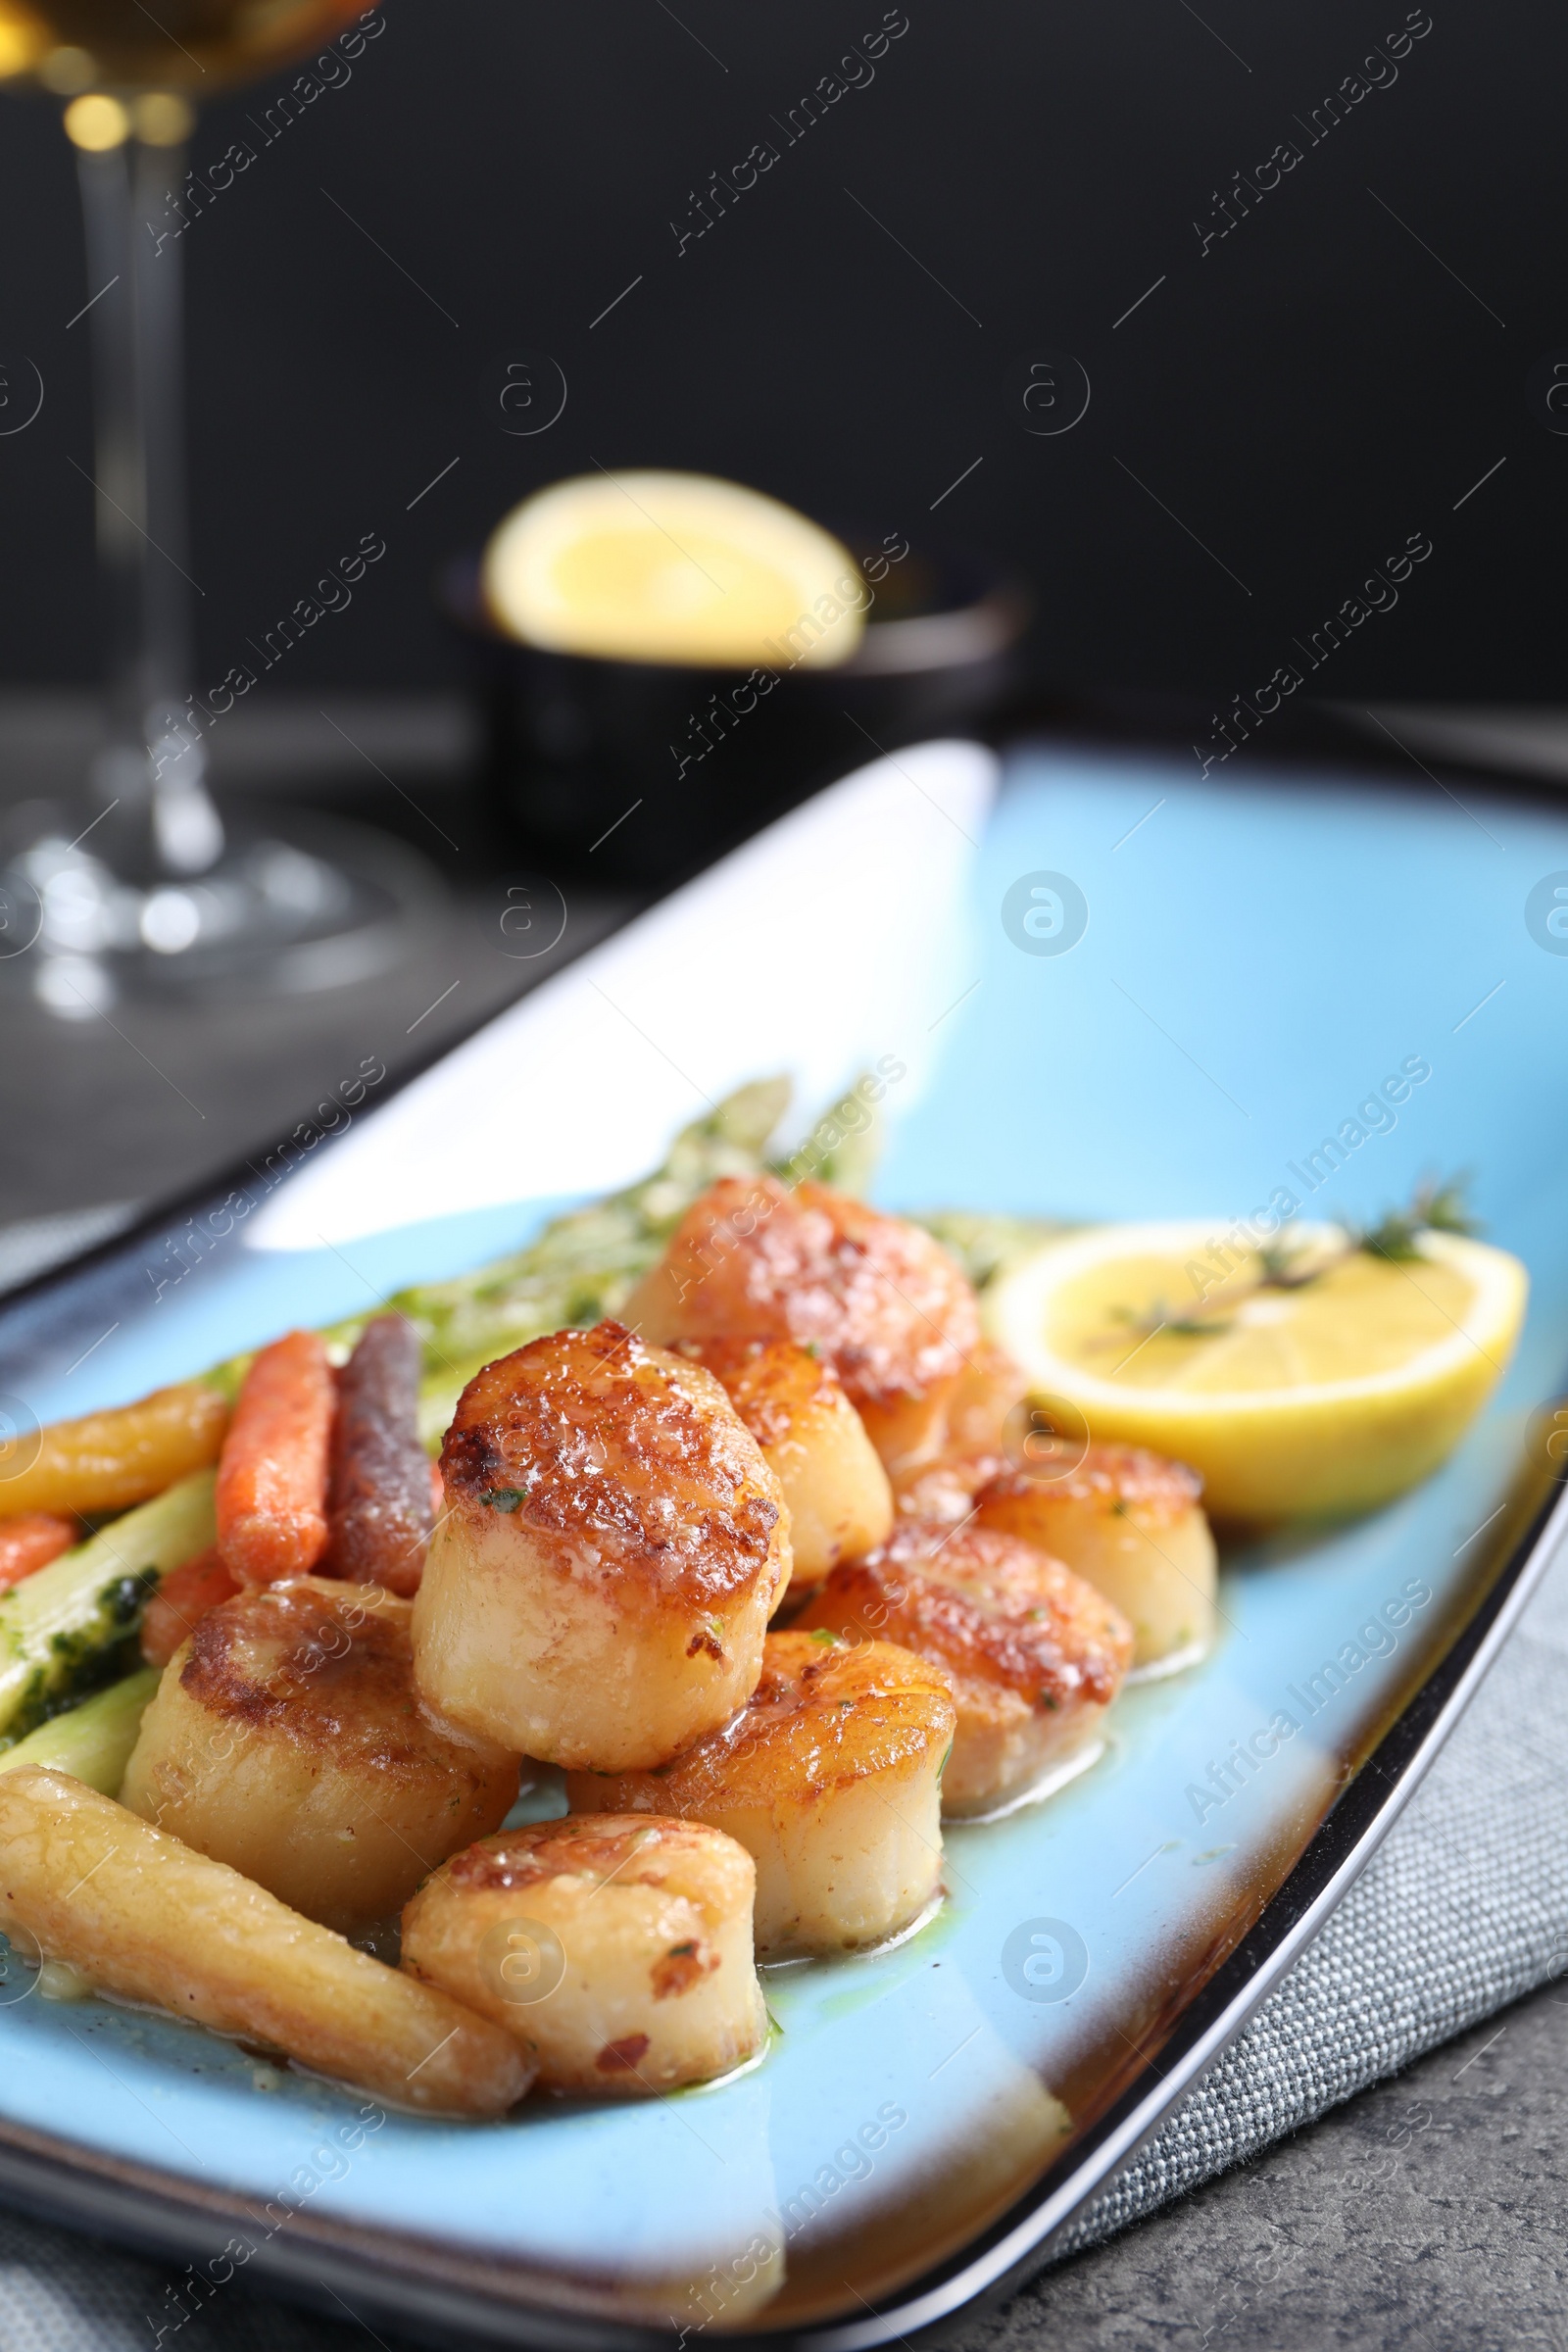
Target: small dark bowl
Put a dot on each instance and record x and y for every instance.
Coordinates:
(645, 772)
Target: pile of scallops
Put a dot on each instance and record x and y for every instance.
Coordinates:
(796, 1424)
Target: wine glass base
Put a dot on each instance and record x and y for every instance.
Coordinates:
(295, 904)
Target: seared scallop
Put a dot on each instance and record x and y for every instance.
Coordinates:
(286, 1739)
(612, 1547)
(944, 1488)
(1033, 1653)
(881, 1300)
(985, 1399)
(974, 1449)
(1131, 1523)
(794, 1404)
(619, 1952)
(831, 1779)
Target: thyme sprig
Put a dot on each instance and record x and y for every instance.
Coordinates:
(1434, 1208)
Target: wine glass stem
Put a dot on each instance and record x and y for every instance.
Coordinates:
(154, 766)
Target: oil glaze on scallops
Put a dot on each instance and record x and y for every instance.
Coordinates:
(613, 1545)
(617, 1952)
(884, 1304)
(1033, 1653)
(831, 1779)
(285, 1738)
(794, 1404)
(1131, 1523)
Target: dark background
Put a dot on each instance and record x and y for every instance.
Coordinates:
(1303, 397)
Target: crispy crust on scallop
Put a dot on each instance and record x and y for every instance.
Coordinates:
(980, 1600)
(326, 1665)
(1108, 1475)
(768, 1382)
(682, 1860)
(754, 1258)
(838, 1710)
(617, 1456)
(633, 1851)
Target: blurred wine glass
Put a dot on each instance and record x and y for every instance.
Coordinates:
(140, 883)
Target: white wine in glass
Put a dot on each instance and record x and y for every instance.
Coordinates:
(141, 884)
(193, 45)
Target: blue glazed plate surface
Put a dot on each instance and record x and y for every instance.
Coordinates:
(1259, 956)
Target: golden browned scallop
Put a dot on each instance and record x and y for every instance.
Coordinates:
(985, 1399)
(831, 1779)
(617, 1951)
(985, 1403)
(141, 1915)
(882, 1301)
(286, 1739)
(1034, 1654)
(612, 1547)
(1131, 1523)
(794, 1404)
(944, 1488)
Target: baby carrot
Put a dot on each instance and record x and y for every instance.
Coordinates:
(107, 1461)
(271, 1474)
(380, 1513)
(30, 1542)
(181, 1599)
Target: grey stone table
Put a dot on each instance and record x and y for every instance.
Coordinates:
(146, 1100)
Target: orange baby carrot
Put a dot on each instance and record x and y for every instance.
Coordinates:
(30, 1542)
(271, 1474)
(181, 1599)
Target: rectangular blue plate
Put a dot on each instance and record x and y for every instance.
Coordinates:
(1257, 956)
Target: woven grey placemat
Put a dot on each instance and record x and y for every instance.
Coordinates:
(1464, 1908)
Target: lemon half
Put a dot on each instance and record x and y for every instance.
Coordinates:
(673, 568)
(1329, 1398)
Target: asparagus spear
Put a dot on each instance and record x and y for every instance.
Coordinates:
(91, 1742)
(585, 1264)
(582, 1266)
(71, 1626)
